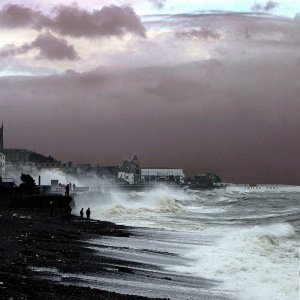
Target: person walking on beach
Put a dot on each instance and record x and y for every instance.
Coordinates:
(88, 213)
(81, 214)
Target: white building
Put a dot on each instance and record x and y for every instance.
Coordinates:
(126, 177)
(2, 165)
(157, 174)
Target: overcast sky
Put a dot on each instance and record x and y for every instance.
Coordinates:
(208, 86)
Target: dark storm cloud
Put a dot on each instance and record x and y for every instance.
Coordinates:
(203, 33)
(236, 115)
(54, 48)
(269, 6)
(110, 20)
(233, 118)
(14, 16)
(50, 47)
(73, 21)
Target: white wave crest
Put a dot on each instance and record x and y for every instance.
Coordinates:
(162, 200)
(257, 263)
(165, 206)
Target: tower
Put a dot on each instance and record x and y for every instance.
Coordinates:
(1, 138)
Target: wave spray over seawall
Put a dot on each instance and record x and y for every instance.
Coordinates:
(248, 243)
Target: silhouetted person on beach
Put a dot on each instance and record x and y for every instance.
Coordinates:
(88, 213)
(67, 190)
(81, 213)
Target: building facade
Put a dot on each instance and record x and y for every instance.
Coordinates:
(17, 155)
(1, 138)
(2, 156)
(162, 174)
(131, 166)
(126, 177)
(130, 171)
(2, 165)
(107, 173)
(203, 180)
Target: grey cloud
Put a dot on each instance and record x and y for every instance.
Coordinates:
(158, 3)
(236, 26)
(12, 50)
(110, 20)
(269, 6)
(283, 32)
(13, 16)
(50, 47)
(54, 48)
(230, 117)
(76, 22)
(237, 115)
(203, 33)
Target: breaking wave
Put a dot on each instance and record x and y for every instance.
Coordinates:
(260, 262)
(226, 237)
(162, 206)
(157, 201)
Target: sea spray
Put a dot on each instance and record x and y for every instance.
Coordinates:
(162, 200)
(248, 242)
(259, 262)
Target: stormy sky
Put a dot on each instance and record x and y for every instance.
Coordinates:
(207, 86)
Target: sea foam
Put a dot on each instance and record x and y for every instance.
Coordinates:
(260, 262)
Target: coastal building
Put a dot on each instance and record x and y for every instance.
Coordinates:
(2, 165)
(107, 173)
(49, 165)
(2, 156)
(126, 177)
(130, 171)
(203, 180)
(23, 156)
(131, 166)
(15, 156)
(1, 138)
(86, 170)
(162, 174)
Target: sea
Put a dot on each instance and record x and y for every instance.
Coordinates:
(201, 244)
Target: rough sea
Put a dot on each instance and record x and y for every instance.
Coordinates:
(203, 244)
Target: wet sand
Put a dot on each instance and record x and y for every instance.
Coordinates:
(31, 240)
